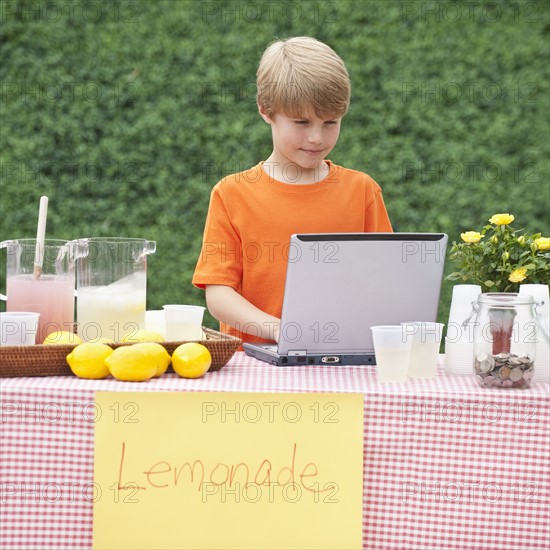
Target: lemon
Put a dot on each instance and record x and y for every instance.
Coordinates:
(143, 335)
(191, 360)
(63, 337)
(161, 355)
(87, 360)
(138, 362)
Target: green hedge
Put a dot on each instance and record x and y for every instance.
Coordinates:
(127, 113)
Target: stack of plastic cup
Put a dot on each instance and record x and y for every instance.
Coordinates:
(459, 343)
(459, 355)
(542, 353)
(461, 303)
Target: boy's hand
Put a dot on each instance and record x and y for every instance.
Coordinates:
(228, 306)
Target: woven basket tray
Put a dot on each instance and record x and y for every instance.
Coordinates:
(16, 361)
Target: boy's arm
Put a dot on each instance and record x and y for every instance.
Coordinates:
(228, 306)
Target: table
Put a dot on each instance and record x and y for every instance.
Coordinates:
(447, 464)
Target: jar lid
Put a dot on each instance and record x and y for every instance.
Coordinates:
(505, 299)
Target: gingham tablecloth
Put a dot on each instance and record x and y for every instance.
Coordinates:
(447, 464)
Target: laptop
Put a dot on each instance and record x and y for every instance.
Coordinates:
(339, 285)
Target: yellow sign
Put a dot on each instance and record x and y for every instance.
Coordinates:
(228, 470)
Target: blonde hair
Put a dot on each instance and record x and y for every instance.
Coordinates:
(302, 73)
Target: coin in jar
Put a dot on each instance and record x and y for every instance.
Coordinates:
(528, 375)
(504, 372)
(516, 374)
(485, 366)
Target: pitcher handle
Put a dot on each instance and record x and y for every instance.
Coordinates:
(149, 247)
(5, 244)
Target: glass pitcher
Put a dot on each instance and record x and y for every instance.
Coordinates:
(506, 332)
(51, 292)
(111, 287)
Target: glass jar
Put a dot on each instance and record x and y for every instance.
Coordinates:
(506, 331)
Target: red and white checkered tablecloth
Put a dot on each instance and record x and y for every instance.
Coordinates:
(447, 464)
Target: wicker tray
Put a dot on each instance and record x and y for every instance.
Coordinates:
(16, 361)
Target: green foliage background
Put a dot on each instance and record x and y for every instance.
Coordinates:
(127, 113)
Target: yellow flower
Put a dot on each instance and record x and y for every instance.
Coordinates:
(502, 219)
(471, 236)
(543, 243)
(518, 275)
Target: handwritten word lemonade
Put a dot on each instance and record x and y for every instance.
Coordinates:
(112, 311)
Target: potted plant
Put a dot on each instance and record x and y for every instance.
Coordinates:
(499, 259)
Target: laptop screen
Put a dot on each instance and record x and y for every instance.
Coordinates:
(339, 285)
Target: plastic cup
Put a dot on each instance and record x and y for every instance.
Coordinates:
(540, 293)
(460, 332)
(392, 352)
(183, 322)
(461, 302)
(154, 320)
(425, 341)
(18, 328)
(459, 356)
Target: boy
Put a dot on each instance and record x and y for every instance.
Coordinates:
(303, 93)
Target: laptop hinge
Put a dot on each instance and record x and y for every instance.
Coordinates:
(297, 352)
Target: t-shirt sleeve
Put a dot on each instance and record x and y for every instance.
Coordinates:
(220, 259)
(376, 215)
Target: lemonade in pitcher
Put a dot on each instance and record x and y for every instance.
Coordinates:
(111, 287)
(49, 292)
(112, 311)
(50, 295)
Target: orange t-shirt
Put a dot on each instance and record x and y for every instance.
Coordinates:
(252, 216)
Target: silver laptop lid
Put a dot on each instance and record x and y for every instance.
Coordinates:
(339, 285)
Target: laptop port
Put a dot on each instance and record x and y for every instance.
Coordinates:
(330, 359)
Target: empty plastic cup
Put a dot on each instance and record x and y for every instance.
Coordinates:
(183, 322)
(18, 328)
